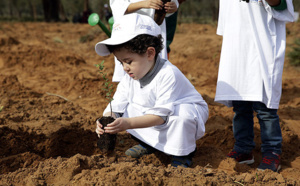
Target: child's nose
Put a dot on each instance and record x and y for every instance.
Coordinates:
(125, 66)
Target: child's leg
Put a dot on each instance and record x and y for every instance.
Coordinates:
(179, 134)
(243, 126)
(183, 161)
(139, 150)
(143, 144)
(269, 128)
(270, 136)
(143, 149)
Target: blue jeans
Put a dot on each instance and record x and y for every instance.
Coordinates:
(243, 127)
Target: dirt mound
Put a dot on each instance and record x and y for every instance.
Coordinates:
(51, 95)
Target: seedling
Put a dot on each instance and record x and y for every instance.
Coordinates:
(108, 87)
(107, 141)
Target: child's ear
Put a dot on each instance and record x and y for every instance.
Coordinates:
(151, 53)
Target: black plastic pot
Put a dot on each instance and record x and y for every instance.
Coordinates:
(159, 15)
(107, 142)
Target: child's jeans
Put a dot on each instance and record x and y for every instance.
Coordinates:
(243, 127)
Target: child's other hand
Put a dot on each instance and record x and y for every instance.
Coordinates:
(155, 4)
(119, 125)
(170, 7)
(99, 129)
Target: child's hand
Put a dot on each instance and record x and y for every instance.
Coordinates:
(170, 7)
(155, 4)
(119, 125)
(99, 129)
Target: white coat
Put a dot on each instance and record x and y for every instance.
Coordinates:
(170, 94)
(253, 50)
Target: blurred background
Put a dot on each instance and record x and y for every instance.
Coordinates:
(77, 11)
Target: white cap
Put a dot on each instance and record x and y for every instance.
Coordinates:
(126, 28)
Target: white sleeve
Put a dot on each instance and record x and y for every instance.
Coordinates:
(286, 15)
(118, 7)
(220, 19)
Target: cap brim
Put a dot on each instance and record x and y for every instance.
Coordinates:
(101, 48)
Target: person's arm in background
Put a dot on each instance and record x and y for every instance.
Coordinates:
(274, 2)
(277, 4)
(171, 7)
(155, 4)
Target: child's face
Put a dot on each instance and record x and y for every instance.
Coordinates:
(136, 65)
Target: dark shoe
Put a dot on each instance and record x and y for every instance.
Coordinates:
(241, 157)
(183, 161)
(271, 161)
(139, 150)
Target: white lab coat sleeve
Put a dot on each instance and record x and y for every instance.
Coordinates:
(220, 19)
(120, 98)
(118, 7)
(286, 15)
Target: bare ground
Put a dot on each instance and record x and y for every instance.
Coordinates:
(51, 95)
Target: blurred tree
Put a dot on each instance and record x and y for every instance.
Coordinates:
(51, 10)
(214, 7)
(201, 11)
(86, 12)
(32, 7)
(54, 11)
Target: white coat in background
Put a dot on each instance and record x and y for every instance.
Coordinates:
(253, 50)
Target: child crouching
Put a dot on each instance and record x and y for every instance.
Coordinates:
(154, 101)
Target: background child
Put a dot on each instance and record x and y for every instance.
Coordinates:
(250, 73)
(154, 101)
(144, 7)
(171, 24)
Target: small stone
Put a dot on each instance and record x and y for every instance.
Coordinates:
(249, 178)
(280, 178)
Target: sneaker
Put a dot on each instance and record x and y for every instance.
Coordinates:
(183, 161)
(139, 150)
(270, 160)
(241, 157)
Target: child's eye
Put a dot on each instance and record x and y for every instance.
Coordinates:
(127, 62)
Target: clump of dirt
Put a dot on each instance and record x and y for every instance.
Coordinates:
(51, 95)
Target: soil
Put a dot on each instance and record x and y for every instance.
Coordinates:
(51, 94)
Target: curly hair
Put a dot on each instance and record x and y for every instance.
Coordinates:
(140, 44)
